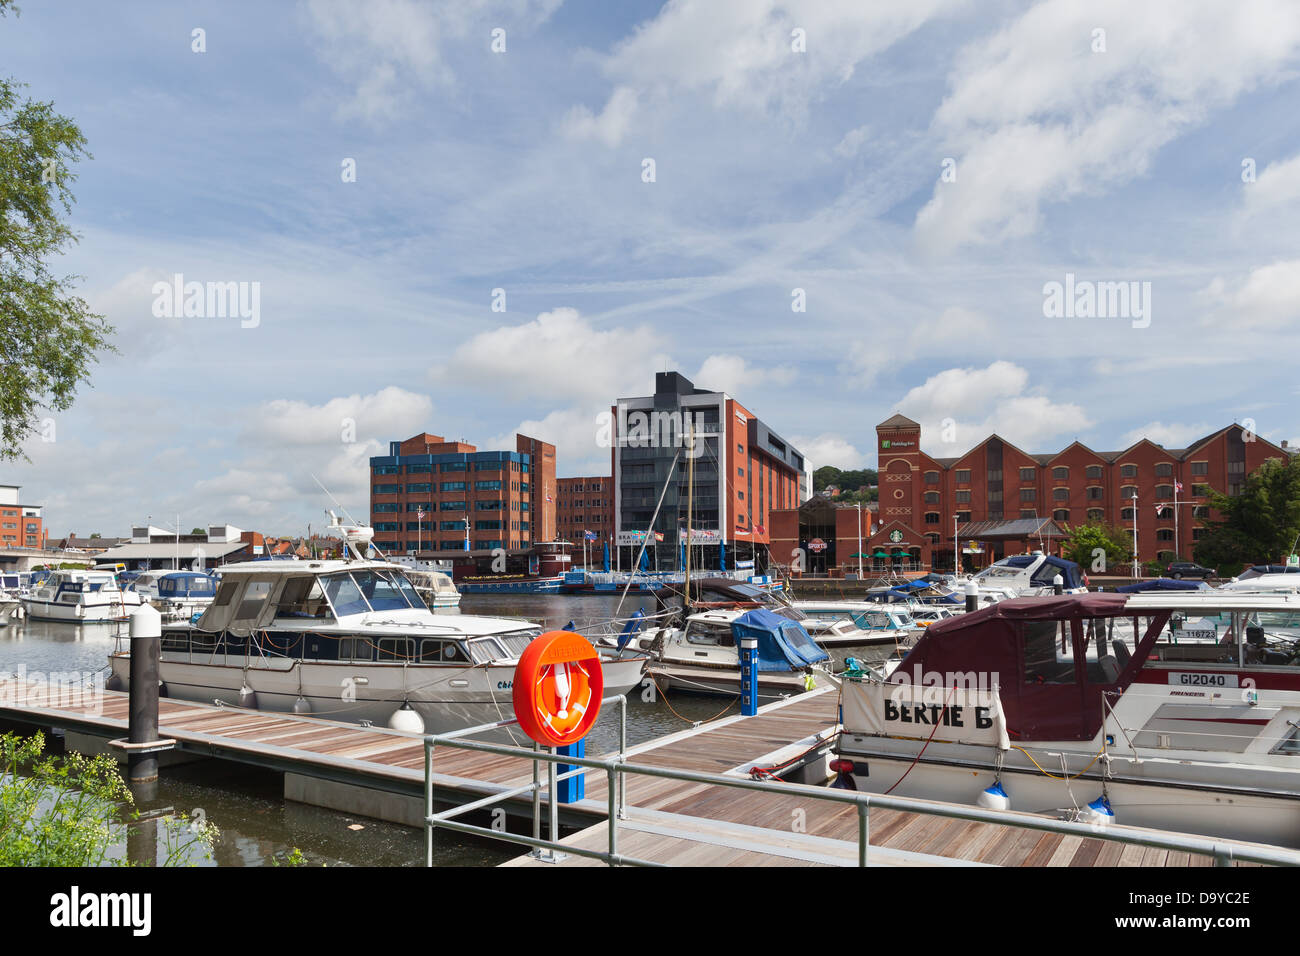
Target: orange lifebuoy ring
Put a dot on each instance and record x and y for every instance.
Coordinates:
(557, 688)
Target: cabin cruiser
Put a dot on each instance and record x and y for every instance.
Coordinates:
(349, 640)
(1025, 575)
(841, 636)
(703, 655)
(81, 595)
(14, 586)
(1080, 706)
(178, 595)
(434, 587)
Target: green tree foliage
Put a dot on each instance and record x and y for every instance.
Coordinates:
(48, 336)
(1258, 526)
(1086, 540)
(848, 482)
(74, 810)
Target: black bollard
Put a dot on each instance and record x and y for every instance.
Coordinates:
(1058, 585)
(146, 649)
(972, 596)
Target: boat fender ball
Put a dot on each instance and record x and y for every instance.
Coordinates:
(1098, 812)
(405, 718)
(247, 697)
(302, 705)
(994, 798)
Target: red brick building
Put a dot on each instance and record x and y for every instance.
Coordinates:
(21, 526)
(582, 505)
(496, 499)
(1014, 500)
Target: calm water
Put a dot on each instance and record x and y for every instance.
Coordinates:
(259, 827)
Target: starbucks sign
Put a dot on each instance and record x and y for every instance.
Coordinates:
(895, 536)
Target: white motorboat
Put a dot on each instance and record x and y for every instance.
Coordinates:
(703, 656)
(349, 640)
(80, 595)
(1083, 706)
(435, 587)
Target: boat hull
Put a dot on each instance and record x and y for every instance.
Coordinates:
(115, 609)
(446, 697)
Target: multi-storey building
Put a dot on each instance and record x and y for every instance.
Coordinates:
(583, 506)
(742, 470)
(21, 526)
(490, 499)
(1011, 500)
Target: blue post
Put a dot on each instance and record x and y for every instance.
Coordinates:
(574, 788)
(722, 555)
(607, 557)
(748, 676)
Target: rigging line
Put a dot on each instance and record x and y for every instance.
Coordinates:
(649, 532)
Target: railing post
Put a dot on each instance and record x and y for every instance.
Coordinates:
(864, 830)
(622, 756)
(428, 801)
(537, 801)
(611, 789)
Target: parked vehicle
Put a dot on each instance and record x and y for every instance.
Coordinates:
(1189, 569)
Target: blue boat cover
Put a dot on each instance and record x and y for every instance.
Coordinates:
(783, 644)
(1163, 584)
(1070, 574)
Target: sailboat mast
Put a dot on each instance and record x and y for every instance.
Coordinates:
(690, 502)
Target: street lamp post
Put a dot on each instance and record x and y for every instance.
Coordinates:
(859, 541)
(956, 549)
(1135, 537)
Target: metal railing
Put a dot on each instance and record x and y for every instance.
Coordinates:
(1224, 852)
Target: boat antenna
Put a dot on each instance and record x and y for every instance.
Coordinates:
(334, 522)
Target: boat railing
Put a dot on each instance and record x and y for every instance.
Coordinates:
(616, 768)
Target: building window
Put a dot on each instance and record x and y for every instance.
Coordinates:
(386, 489)
(963, 476)
(386, 470)
(418, 469)
(1128, 491)
(1028, 513)
(963, 516)
(1164, 469)
(1094, 471)
(421, 487)
(963, 497)
(451, 506)
(932, 517)
(1165, 534)
(1198, 534)
(487, 525)
(1200, 468)
(387, 508)
(1164, 491)
(1028, 494)
(1200, 491)
(455, 466)
(740, 472)
(418, 506)
(454, 486)
(1060, 474)
(1128, 471)
(1060, 494)
(487, 486)
(1094, 493)
(932, 497)
(489, 506)
(931, 477)
(995, 496)
(451, 525)
(1201, 511)
(1095, 514)
(1028, 474)
(1126, 514)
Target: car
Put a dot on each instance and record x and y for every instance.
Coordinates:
(1188, 569)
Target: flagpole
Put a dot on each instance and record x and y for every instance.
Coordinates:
(1177, 555)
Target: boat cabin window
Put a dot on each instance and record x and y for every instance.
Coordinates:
(1048, 652)
(225, 593)
(1105, 651)
(344, 594)
(356, 649)
(436, 650)
(718, 635)
(303, 598)
(396, 649)
(386, 591)
(485, 649)
(254, 597)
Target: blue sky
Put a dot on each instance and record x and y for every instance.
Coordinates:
(1114, 156)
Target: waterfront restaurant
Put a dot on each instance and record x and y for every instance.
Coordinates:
(822, 536)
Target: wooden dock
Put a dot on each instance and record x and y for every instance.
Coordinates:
(336, 765)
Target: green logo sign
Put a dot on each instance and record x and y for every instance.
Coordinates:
(885, 443)
(896, 536)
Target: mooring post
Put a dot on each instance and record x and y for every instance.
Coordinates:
(748, 677)
(1058, 585)
(972, 596)
(146, 646)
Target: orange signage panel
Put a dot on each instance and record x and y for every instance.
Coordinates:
(557, 688)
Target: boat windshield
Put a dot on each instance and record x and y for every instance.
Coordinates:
(356, 592)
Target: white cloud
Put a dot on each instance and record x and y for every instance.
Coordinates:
(733, 375)
(387, 49)
(1035, 115)
(1267, 298)
(740, 52)
(967, 404)
(610, 126)
(830, 449)
(1173, 435)
(387, 414)
(559, 355)
(573, 432)
(1278, 184)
